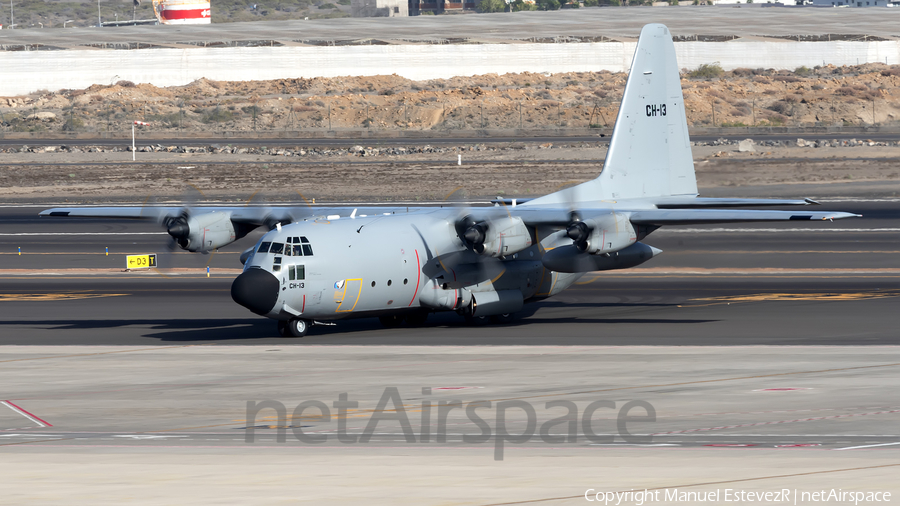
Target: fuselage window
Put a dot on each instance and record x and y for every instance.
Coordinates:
(264, 247)
(276, 268)
(297, 251)
(301, 272)
(277, 248)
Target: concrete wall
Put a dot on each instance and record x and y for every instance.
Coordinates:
(25, 72)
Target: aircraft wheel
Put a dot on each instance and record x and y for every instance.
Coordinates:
(502, 319)
(282, 328)
(391, 321)
(417, 319)
(476, 321)
(297, 327)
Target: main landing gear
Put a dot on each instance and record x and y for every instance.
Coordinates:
(415, 319)
(498, 319)
(297, 327)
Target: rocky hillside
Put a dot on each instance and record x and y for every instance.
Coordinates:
(853, 95)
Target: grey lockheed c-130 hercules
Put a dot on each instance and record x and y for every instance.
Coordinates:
(318, 265)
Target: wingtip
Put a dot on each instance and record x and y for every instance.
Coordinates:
(811, 202)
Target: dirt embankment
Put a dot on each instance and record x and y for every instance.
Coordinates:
(854, 95)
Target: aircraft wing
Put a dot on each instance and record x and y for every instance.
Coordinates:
(660, 217)
(677, 202)
(250, 215)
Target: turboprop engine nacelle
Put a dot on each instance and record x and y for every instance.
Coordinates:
(434, 296)
(570, 259)
(604, 234)
(204, 232)
(498, 238)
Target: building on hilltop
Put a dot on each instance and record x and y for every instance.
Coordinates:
(379, 8)
(417, 7)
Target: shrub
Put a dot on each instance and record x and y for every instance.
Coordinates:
(803, 71)
(72, 123)
(218, 115)
(891, 72)
(591, 3)
(492, 6)
(548, 5)
(786, 79)
(706, 71)
(328, 6)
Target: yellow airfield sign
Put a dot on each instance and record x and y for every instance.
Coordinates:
(140, 261)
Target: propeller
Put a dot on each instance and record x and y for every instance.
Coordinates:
(578, 231)
(171, 254)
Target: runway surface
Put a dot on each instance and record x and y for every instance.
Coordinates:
(768, 356)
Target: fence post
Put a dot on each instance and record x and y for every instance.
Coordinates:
(520, 115)
(329, 116)
(482, 114)
(714, 113)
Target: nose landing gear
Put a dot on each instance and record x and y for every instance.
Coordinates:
(296, 327)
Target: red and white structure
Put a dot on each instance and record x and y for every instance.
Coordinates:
(182, 12)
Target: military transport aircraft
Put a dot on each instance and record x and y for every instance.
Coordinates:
(317, 265)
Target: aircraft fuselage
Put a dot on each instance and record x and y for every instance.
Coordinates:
(377, 265)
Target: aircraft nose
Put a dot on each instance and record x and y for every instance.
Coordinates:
(256, 290)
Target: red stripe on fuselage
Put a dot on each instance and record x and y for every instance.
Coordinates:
(418, 278)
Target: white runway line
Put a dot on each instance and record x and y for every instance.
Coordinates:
(11, 234)
(769, 230)
(26, 414)
(868, 446)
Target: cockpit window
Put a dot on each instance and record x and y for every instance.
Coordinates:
(264, 247)
(298, 252)
(277, 248)
(307, 250)
(297, 272)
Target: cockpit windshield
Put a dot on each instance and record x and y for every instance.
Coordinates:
(296, 246)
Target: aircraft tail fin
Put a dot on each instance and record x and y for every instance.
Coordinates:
(650, 152)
